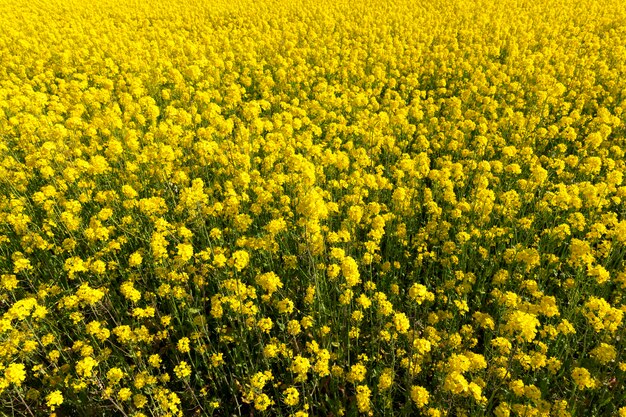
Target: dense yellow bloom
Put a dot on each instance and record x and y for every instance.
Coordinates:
(240, 259)
(54, 399)
(15, 373)
(386, 379)
(139, 400)
(401, 322)
(154, 360)
(355, 195)
(363, 394)
(9, 281)
(124, 394)
(300, 366)
(265, 324)
(269, 281)
(89, 295)
(143, 312)
(185, 251)
(85, 366)
(350, 271)
(182, 370)
(357, 373)
(293, 327)
(114, 375)
(419, 395)
(456, 383)
(135, 259)
(583, 378)
(129, 291)
(419, 293)
(604, 353)
(262, 402)
(291, 396)
(602, 316)
(259, 379)
(183, 345)
(524, 325)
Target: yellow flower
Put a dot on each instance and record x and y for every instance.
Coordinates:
(350, 271)
(604, 353)
(269, 281)
(54, 399)
(363, 394)
(185, 251)
(135, 259)
(270, 350)
(386, 379)
(300, 366)
(420, 396)
(217, 359)
(285, 306)
(85, 366)
(183, 345)
(143, 312)
(9, 282)
(419, 293)
(15, 373)
(455, 383)
(182, 370)
(601, 315)
(259, 379)
(265, 324)
(88, 295)
(401, 322)
(154, 360)
(502, 410)
(357, 373)
(114, 375)
(307, 322)
(293, 327)
(583, 378)
(139, 401)
(291, 396)
(129, 291)
(262, 402)
(523, 324)
(124, 394)
(240, 259)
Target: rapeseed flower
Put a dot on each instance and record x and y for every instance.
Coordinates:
(388, 205)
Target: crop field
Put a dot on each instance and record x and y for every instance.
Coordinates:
(316, 208)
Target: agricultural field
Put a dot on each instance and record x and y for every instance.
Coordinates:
(314, 208)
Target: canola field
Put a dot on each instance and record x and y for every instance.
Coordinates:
(312, 208)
